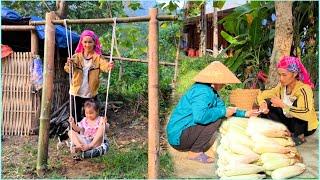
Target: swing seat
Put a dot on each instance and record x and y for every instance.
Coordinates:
(96, 152)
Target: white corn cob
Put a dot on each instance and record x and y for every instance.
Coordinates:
(227, 155)
(237, 158)
(240, 138)
(267, 156)
(222, 163)
(224, 127)
(234, 124)
(239, 122)
(258, 162)
(268, 173)
(273, 164)
(239, 169)
(284, 141)
(261, 148)
(280, 141)
(288, 172)
(224, 142)
(266, 127)
(245, 177)
(241, 149)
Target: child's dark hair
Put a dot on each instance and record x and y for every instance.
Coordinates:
(91, 103)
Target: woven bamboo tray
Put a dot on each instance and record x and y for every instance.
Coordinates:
(244, 98)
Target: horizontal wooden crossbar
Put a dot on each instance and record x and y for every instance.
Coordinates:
(108, 20)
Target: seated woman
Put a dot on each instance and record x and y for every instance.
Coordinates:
(291, 101)
(199, 112)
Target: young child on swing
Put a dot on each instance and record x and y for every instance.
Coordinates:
(88, 134)
(87, 64)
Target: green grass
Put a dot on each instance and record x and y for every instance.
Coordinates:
(132, 163)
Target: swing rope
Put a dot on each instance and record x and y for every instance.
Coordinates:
(70, 76)
(110, 60)
(109, 74)
(69, 46)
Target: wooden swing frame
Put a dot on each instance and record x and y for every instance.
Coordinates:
(48, 75)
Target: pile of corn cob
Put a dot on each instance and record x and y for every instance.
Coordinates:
(252, 148)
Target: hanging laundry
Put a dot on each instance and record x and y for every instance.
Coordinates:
(36, 73)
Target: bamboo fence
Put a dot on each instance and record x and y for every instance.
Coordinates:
(18, 102)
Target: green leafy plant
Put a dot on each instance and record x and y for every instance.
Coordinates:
(250, 41)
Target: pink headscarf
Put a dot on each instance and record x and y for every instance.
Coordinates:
(293, 64)
(95, 38)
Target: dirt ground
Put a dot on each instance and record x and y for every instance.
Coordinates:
(19, 153)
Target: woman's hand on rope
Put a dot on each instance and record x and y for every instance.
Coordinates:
(69, 61)
(110, 65)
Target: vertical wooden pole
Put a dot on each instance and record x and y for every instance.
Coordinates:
(175, 75)
(48, 75)
(34, 43)
(203, 30)
(215, 42)
(153, 96)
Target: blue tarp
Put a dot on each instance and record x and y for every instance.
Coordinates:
(12, 16)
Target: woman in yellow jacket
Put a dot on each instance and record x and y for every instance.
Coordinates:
(87, 64)
(291, 101)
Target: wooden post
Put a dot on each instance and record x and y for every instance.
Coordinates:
(34, 43)
(48, 75)
(203, 30)
(215, 45)
(153, 96)
(175, 75)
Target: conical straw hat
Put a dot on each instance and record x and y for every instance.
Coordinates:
(216, 73)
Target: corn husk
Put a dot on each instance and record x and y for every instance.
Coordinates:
(280, 141)
(241, 149)
(289, 171)
(237, 158)
(235, 147)
(284, 141)
(222, 163)
(258, 162)
(261, 148)
(266, 127)
(268, 173)
(239, 169)
(240, 138)
(239, 122)
(268, 156)
(273, 164)
(234, 124)
(244, 177)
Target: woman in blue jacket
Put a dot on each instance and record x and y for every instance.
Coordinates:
(198, 114)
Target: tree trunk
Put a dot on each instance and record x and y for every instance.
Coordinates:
(282, 40)
(203, 31)
(215, 42)
(61, 9)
